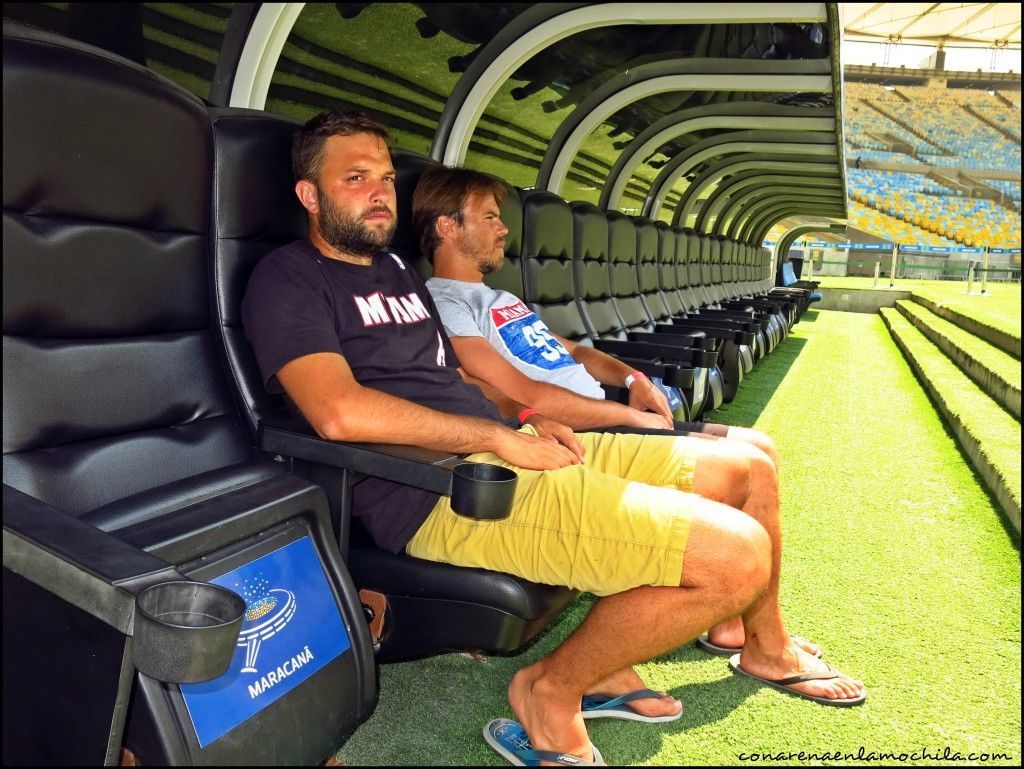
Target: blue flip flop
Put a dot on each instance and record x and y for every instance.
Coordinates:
(599, 706)
(509, 739)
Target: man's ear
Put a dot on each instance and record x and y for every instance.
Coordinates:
(444, 226)
(305, 191)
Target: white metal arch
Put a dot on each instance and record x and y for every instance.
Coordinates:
(822, 173)
(263, 46)
(787, 148)
(732, 82)
(636, 156)
(604, 15)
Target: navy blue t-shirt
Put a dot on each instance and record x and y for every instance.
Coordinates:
(382, 320)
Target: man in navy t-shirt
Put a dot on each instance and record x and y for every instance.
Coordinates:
(349, 333)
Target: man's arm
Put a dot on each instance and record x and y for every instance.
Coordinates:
(545, 427)
(482, 361)
(340, 409)
(613, 372)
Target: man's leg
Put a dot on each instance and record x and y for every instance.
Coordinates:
(750, 484)
(726, 565)
(743, 477)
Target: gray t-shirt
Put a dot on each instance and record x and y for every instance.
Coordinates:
(523, 339)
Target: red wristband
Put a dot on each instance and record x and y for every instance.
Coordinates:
(526, 414)
(634, 377)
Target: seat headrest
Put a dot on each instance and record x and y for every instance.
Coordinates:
(590, 232)
(81, 174)
(621, 237)
(547, 226)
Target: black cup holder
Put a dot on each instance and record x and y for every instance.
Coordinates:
(483, 491)
(186, 632)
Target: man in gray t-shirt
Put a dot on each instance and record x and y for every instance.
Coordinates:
(498, 339)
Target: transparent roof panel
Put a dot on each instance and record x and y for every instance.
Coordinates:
(181, 41)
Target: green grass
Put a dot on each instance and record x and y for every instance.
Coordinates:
(992, 358)
(896, 562)
(997, 431)
(999, 309)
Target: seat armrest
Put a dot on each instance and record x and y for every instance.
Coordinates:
(669, 373)
(737, 336)
(77, 562)
(651, 349)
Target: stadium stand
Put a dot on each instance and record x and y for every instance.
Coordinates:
(968, 132)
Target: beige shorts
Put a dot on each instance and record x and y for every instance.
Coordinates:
(616, 522)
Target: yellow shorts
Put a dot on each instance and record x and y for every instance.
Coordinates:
(618, 521)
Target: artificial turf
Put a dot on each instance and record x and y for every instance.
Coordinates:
(996, 432)
(998, 308)
(1001, 365)
(896, 562)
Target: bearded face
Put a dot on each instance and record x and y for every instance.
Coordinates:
(351, 233)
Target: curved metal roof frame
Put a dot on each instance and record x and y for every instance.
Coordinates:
(262, 49)
(545, 24)
(790, 235)
(756, 229)
(736, 164)
(725, 193)
(719, 75)
(807, 143)
(744, 114)
(766, 202)
(829, 188)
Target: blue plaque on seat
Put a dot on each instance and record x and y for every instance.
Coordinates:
(292, 628)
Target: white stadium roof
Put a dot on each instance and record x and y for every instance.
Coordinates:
(948, 25)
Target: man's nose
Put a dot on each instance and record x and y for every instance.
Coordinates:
(380, 192)
(502, 229)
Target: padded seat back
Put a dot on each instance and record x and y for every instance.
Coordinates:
(590, 270)
(649, 239)
(688, 268)
(113, 382)
(547, 254)
(622, 273)
(252, 155)
(409, 167)
(668, 277)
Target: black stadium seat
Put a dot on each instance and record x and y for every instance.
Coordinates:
(135, 506)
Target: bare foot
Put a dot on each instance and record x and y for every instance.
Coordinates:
(549, 714)
(796, 661)
(730, 634)
(626, 681)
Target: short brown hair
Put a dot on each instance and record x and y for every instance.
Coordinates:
(445, 192)
(308, 145)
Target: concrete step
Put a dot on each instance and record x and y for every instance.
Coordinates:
(987, 434)
(992, 369)
(1000, 339)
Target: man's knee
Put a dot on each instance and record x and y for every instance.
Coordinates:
(759, 440)
(729, 553)
(723, 474)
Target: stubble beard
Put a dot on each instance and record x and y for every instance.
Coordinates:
(351, 234)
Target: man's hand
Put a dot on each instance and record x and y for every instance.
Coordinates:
(558, 433)
(643, 395)
(533, 453)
